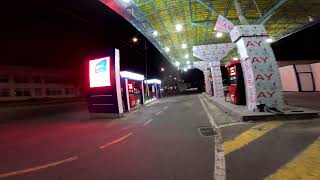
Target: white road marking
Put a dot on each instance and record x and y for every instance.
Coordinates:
(233, 124)
(219, 157)
(37, 168)
(135, 111)
(146, 123)
(166, 107)
(213, 123)
(116, 141)
(158, 113)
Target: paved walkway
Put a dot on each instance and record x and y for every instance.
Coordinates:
(303, 99)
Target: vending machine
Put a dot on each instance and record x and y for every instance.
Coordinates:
(236, 87)
(134, 93)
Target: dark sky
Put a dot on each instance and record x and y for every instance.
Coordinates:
(62, 33)
(303, 45)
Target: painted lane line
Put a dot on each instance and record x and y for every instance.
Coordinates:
(38, 168)
(219, 172)
(219, 159)
(158, 113)
(233, 124)
(166, 107)
(146, 123)
(305, 165)
(250, 135)
(116, 141)
(212, 122)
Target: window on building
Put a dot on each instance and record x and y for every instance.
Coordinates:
(66, 91)
(26, 92)
(36, 79)
(53, 92)
(21, 79)
(52, 80)
(4, 92)
(71, 90)
(23, 92)
(19, 92)
(38, 92)
(58, 92)
(4, 78)
(48, 92)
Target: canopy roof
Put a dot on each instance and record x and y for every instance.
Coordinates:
(198, 18)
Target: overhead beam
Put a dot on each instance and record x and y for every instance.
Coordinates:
(271, 11)
(202, 25)
(208, 7)
(208, 16)
(241, 16)
(226, 11)
(246, 10)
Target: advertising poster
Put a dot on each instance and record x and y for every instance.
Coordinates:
(99, 72)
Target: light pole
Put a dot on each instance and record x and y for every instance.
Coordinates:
(135, 40)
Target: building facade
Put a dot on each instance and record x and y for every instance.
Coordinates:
(22, 83)
(300, 77)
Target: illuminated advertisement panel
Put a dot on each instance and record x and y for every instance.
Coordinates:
(99, 72)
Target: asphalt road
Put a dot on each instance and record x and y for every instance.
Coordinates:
(160, 141)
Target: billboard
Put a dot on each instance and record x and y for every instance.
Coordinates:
(99, 72)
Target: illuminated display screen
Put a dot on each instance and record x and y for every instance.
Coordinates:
(99, 72)
(130, 86)
(232, 71)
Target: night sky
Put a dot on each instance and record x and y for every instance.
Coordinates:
(61, 34)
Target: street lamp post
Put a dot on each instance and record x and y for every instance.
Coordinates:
(146, 58)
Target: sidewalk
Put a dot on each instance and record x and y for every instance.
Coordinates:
(303, 99)
(241, 113)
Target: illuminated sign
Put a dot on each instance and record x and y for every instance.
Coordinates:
(232, 71)
(130, 86)
(99, 72)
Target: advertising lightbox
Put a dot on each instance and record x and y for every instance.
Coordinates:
(99, 72)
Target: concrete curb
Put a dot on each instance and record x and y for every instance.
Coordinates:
(308, 114)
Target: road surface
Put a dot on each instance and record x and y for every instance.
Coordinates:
(160, 141)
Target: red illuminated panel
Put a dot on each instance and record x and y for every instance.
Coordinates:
(99, 72)
(130, 86)
(232, 71)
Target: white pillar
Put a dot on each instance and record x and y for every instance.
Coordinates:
(217, 79)
(206, 74)
(259, 66)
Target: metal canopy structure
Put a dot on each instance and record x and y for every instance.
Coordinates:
(157, 20)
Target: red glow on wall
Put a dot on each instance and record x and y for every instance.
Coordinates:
(99, 72)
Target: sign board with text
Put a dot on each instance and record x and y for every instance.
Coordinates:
(104, 98)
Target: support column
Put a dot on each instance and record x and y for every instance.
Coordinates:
(217, 79)
(259, 66)
(206, 74)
